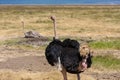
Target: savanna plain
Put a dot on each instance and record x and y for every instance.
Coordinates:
(23, 58)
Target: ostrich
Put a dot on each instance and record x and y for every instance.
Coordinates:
(66, 55)
(31, 33)
(53, 50)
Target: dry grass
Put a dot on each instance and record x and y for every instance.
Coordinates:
(23, 75)
(74, 21)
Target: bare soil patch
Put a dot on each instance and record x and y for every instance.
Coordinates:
(29, 63)
(115, 53)
(106, 76)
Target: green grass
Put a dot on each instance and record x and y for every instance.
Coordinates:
(9, 42)
(108, 62)
(15, 43)
(112, 44)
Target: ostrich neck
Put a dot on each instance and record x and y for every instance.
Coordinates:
(23, 25)
(54, 22)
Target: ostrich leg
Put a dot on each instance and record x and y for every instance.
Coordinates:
(78, 76)
(64, 73)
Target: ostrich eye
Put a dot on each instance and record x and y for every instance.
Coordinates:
(83, 47)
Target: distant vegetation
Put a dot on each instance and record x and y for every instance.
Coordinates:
(85, 21)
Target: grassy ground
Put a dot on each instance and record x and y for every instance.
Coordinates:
(109, 62)
(23, 75)
(99, 24)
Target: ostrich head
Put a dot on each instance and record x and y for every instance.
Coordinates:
(52, 18)
(86, 57)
